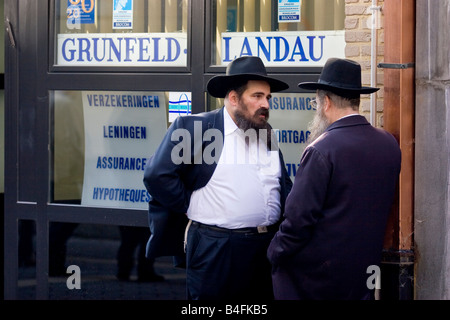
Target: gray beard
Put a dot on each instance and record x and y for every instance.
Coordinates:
(317, 126)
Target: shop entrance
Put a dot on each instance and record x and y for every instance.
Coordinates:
(93, 85)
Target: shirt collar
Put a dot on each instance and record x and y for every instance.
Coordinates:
(228, 123)
(349, 115)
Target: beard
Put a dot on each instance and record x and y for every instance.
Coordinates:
(247, 122)
(317, 126)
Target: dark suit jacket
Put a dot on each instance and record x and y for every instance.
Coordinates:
(336, 213)
(170, 185)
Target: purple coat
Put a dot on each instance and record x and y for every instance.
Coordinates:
(336, 214)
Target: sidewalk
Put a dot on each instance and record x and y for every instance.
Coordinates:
(96, 259)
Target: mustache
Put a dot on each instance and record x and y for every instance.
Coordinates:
(262, 112)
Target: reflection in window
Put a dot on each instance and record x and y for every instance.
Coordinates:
(262, 16)
(90, 16)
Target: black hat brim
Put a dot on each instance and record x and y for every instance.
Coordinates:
(341, 91)
(219, 85)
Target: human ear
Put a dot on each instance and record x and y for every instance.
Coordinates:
(326, 103)
(233, 97)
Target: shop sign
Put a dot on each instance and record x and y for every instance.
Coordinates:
(180, 104)
(123, 14)
(289, 10)
(290, 115)
(122, 130)
(122, 49)
(80, 12)
(284, 49)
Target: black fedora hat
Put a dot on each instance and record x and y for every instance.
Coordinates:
(342, 77)
(239, 70)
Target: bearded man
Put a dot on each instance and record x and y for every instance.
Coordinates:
(231, 185)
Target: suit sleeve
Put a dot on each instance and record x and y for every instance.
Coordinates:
(286, 182)
(303, 207)
(162, 175)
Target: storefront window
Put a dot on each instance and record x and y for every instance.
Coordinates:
(138, 33)
(283, 33)
(102, 140)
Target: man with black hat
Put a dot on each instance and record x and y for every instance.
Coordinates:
(229, 178)
(330, 241)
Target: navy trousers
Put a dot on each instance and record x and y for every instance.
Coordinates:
(223, 264)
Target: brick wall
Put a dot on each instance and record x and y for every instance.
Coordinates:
(358, 36)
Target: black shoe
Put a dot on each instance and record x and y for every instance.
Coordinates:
(151, 278)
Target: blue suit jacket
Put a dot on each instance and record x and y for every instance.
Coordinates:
(171, 185)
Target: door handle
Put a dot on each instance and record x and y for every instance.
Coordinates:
(12, 41)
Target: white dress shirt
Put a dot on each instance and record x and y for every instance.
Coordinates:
(244, 190)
